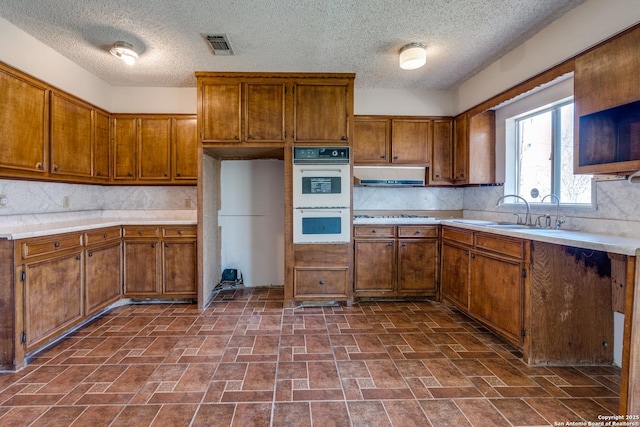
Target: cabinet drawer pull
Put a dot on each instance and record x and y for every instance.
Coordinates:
(104, 235)
(130, 174)
(153, 245)
(321, 282)
(404, 244)
(39, 166)
(166, 245)
(437, 175)
(236, 137)
(78, 257)
(166, 174)
(389, 244)
(344, 137)
(90, 254)
(249, 136)
(417, 231)
(56, 244)
(473, 255)
(373, 231)
(178, 174)
(180, 232)
(140, 232)
(56, 167)
(99, 173)
(383, 157)
(395, 157)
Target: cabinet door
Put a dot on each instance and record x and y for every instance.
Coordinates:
(371, 140)
(454, 281)
(70, 137)
(442, 160)
(179, 268)
(375, 271)
(417, 266)
(185, 148)
(52, 297)
(496, 289)
(141, 268)
(482, 148)
(23, 125)
(103, 268)
(124, 148)
(101, 143)
(154, 158)
(460, 148)
(221, 114)
(410, 141)
(264, 112)
(321, 112)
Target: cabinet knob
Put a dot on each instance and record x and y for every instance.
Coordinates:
(404, 244)
(99, 173)
(153, 245)
(166, 174)
(395, 157)
(90, 254)
(344, 137)
(389, 244)
(104, 235)
(39, 166)
(130, 174)
(437, 175)
(417, 231)
(383, 157)
(249, 136)
(473, 255)
(166, 245)
(56, 244)
(178, 174)
(321, 282)
(180, 232)
(140, 232)
(373, 231)
(236, 137)
(56, 167)
(78, 257)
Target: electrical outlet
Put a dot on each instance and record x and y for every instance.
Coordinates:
(4, 201)
(187, 203)
(65, 202)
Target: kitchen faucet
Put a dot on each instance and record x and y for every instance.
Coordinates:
(559, 221)
(527, 218)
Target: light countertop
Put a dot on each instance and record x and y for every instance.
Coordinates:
(580, 239)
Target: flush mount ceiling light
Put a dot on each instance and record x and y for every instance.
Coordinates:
(125, 52)
(412, 56)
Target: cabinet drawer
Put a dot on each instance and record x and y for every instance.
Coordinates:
(102, 235)
(310, 281)
(142, 231)
(417, 231)
(36, 247)
(374, 231)
(185, 231)
(458, 235)
(503, 245)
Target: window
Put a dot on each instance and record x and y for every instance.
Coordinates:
(543, 155)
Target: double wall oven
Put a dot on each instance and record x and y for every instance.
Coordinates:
(321, 195)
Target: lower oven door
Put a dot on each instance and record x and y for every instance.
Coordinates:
(321, 225)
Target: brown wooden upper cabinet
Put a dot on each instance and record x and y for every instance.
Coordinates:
(24, 125)
(154, 148)
(607, 107)
(71, 137)
(240, 111)
(101, 146)
(474, 145)
(384, 140)
(321, 111)
(442, 152)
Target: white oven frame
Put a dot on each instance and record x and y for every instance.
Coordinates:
(345, 225)
(333, 200)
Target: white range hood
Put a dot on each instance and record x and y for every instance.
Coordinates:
(390, 176)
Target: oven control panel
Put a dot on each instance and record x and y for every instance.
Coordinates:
(320, 155)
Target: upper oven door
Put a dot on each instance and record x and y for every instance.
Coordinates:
(321, 186)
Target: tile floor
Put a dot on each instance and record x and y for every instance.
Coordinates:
(246, 361)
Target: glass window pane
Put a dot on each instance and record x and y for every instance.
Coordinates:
(573, 188)
(535, 148)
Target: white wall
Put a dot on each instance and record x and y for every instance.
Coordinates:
(251, 219)
(581, 28)
(402, 102)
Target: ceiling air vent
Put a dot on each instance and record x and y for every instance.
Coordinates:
(219, 44)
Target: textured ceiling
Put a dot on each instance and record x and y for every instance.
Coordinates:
(355, 36)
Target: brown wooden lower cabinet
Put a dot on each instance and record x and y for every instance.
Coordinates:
(102, 268)
(396, 261)
(321, 272)
(160, 262)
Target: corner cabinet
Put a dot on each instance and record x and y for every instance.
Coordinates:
(607, 107)
(474, 148)
(396, 261)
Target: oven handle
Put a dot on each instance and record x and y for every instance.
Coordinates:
(321, 170)
(322, 211)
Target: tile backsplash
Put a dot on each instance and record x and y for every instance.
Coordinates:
(28, 197)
